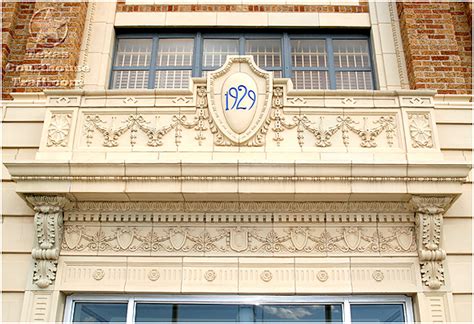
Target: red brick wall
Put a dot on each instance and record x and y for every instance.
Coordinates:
(437, 43)
(32, 65)
(122, 7)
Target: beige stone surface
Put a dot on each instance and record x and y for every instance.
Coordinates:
(11, 306)
(17, 234)
(21, 134)
(463, 307)
(12, 204)
(462, 140)
(462, 207)
(459, 266)
(16, 271)
(457, 235)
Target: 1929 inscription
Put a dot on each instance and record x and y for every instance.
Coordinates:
(236, 98)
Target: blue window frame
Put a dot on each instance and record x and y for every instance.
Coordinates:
(312, 61)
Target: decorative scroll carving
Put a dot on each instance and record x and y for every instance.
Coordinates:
(420, 130)
(49, 231)
(233, 240)
(429, 219)
(58, 131)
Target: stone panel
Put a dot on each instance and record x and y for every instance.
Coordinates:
(18, 234)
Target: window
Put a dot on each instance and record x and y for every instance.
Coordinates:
(233, 309)
(312, 61)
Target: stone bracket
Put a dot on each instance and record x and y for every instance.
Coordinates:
(429, 219)
(48, 222)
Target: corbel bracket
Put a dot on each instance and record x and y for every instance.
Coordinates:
(48, 223)
(429, 220)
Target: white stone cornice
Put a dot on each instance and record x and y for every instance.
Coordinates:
(255, 181)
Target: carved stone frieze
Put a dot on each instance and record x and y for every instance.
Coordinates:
(248, 239)
(429, 219)
(48, 222)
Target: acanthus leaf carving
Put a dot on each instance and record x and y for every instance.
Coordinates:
(48, 222)
(429, 219)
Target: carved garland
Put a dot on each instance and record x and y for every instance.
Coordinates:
(202, 121)
(49, 231)
(429, 219)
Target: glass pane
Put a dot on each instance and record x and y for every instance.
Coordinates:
(266, 52)
(130, 79)
(377, 313)
(297, 313)
(133, 52)
(175, 52)
(216, 50)
(100, 312)
(169, 79)
(308, 53)
(354, 80)
(310, 79)
(167, 313)
(351, 53)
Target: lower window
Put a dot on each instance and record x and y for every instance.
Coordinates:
(233, 309)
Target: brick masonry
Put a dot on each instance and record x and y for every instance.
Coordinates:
(437, 43)
(436, 39)
(31, 59)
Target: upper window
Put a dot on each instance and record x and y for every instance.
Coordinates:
(235, 309)
(311, 61)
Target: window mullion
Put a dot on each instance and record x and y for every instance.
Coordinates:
(330, 55)
(130, 311)
(347, 311)
(154, 54)
(286, 53)
(241, 45)
(197, 57)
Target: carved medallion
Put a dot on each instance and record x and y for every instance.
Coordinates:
(154, 275)
(239, 99)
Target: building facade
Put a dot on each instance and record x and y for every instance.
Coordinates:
(237, 160)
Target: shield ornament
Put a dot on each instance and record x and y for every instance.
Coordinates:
(405, 238)
(73, 236)
(299, 238)
(352, 237)
(125, 237)
(239, 98)
(177, 238)
(239, 240)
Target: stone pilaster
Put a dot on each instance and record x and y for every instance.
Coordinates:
(429, 222)
(48, 223)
